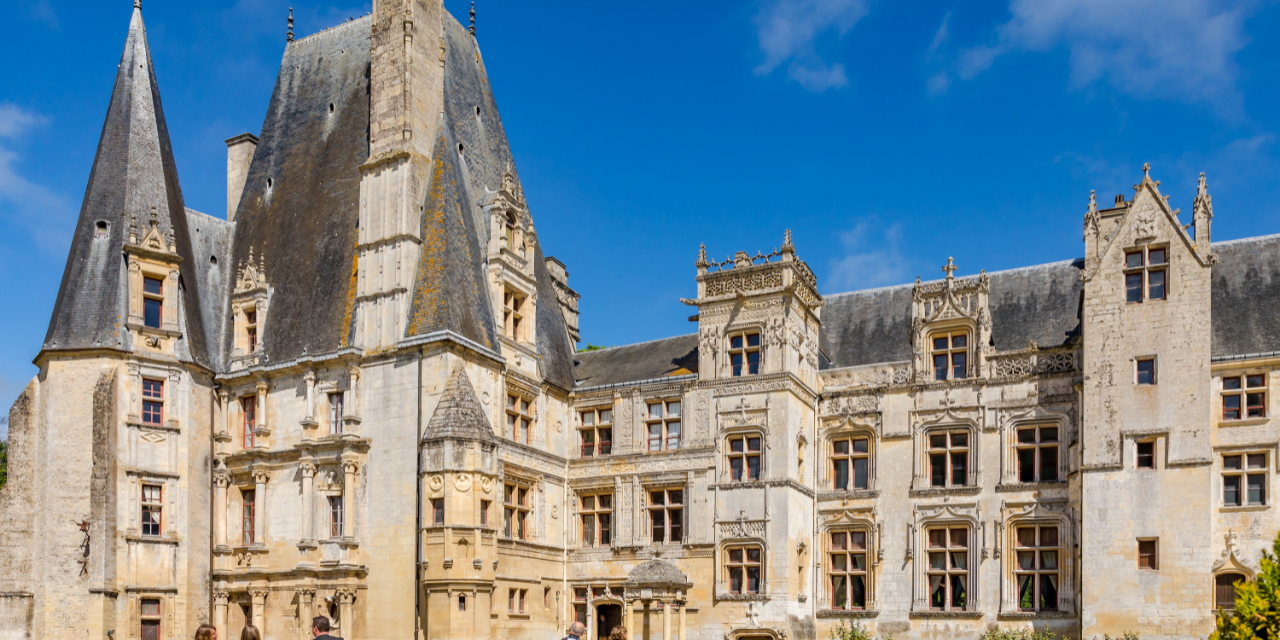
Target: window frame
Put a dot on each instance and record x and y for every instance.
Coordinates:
(150, 619)
(1138, 373)
(248, 421)
(850, 573)
(1037, 447)
(601, 519)
(337, 409)
(437, 512)
(336, 516)
(745, 565)
(1138, 454)
(248, 516)
(1036, 571)
(1243, 393)
(513, 312)
(251, 342)
(515, 515)
(1154, 563)
(949, 353)
(1217, 589)
(1243, 475)
(519, 410)
(1142, 271)
(153, 297)
(949, 572)
(744, 352)
(666, 508)
(152, 509)
(597, 429)
(744, 456)
(949, 452)
(152, 401)
(850, 457)
(664, 422)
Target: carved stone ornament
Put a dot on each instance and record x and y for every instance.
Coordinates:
(486, 484)
(1144, 220)
(251, 276)
(436, 483)
(462, 482)
(555, 512)
(1231, 561)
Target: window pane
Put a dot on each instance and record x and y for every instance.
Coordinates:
(1257, 461)
(735, 342)
(1027, 560)
(841, 474)
(937, 592)
(938, 538)
(1231, 407)
(735, 469)
(1027, 436)
(860, 473)
(1048, 464)
(957, 592)
(938, 561)
(958, 469)
(1256, 404)
(1048, 434)
(858, 540)
(1048, 559)
(958, 560)
(1026, 536)
(753, 467)
(1048, 536)
(1133, 287)
(1256, 381)
(676, 520)
(1231, 383)
(1155, 283)
(838, 593)
(860, 445)
(736, 445)
(753, 444)
(1231, 490)
(940, 367)
(655, 410)
(151, 310)
(150, 630)
(938, 442)
(959, 368)
(588, 530)
(1049, 592)
(1156, 256)
(959, 342)
(655, 437)
(840, 447)
(1146, 372)
(1026, 594)
(1132, 260)
(1257, 488)
(959, 440)
(839, 562)
(673, 435)
(938, 470)
(857, 592)
(673, 409)
(753, 340)
(940, 343)
(753, 579)
(959, 538)
(838, 540)
(1026, 465)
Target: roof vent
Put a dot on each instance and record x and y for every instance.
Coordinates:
(269, 183)
(213, 260)
(330, 107)
(1119, 199)
(101, 230)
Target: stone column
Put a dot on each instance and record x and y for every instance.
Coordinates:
(259, 610)
(306, 611)
(349, 468)
(260, 420)
(353, 397)
(259, 508)
(310, 377)
(666, 619)
(682, 621)
(223, 400)
(644, 617)
(629, 618)
(220, 483)
(220, 599)
(308, 500)
(345, 619)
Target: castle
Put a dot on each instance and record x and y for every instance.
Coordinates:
(358, 396)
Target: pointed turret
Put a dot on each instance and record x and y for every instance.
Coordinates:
(458, 414)
(133, 175)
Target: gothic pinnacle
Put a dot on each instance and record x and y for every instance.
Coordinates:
(137, 4)
(288, 37)
(472, 28)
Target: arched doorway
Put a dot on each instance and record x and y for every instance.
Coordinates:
(608, 616)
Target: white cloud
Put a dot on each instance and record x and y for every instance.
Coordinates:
(943, 33)
(872, 258)
(43, 212)
(787, 30)
(1170, 49)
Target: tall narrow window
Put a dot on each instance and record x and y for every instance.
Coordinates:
(1224, 592)
(666, 516)
(516, 511)
(1146, 454)
(509, 232)
(595, 436)
(335, 516)
(335, 412)
(437, 511)
(744, 353)
(664, 425)
(1146, 274)
(1037, 570)
(848, 570)
(152, 509)
(1037, 449)
(519, 418)
(850, 458)
(149, 608)
(152, 302)
(1149, 555)
(742, 568)
(950, 355)
(1244, 479)
(513, 314)
(152, 401)
(484, 513)
(597, 520)
(249, 409)
(462, 603)
(744, 458)
(1146, 370)
(1244, 396)
(251, 330)
(580, 605)
(949, 459)
(247, 515)
(948, 570)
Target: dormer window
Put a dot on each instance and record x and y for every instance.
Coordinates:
(152, 302)
(512, 313)
(251, 330)
(509, 232)
(950, 355)
(1145, 274)
(152, 401)
(744, 353)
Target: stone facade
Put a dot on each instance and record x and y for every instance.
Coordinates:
(358, 398)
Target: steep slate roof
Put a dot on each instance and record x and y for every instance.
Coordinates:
(133, 171)
(451, 292)
(210, 257)
(304, 224)
(634, 362)
(1246, 296)
(458, 413)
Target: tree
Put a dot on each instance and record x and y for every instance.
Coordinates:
(4, 462)
(1257, 612)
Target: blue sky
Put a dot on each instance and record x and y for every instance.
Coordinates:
(887, 135)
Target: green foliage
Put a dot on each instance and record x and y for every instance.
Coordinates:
(854, 631)
(4, 462)
(1018, 634)
(1128, 635)
(1257, 613)
(593, 347)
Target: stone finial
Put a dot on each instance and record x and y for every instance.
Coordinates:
(950, 268)
(288, 37)
(786, 242)
(154, 219)
(1146, 171)
(137, 4)
(472, 28)
(1093, 203)
(702, 257)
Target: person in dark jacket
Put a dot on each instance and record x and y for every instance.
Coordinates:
(320, 629)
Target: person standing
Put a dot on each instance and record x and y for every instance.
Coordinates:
(320, 629)
(250, 632)
(576, 631)
(206, 632)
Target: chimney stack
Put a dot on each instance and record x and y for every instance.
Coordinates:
(239, 154)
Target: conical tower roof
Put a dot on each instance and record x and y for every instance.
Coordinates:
(458, 414)
(133, 172)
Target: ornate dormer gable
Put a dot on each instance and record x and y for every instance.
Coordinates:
(512, 280)
(757, 314)
(153, 286)
(249, 302)
(950, 327)
(1146, 220)
(1232, 558)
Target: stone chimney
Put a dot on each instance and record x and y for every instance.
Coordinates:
(239, 154)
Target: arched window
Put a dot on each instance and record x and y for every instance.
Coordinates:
(1037, 570)
(847, 569)
(1224, 592)
(743, 566)
(947, 572)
